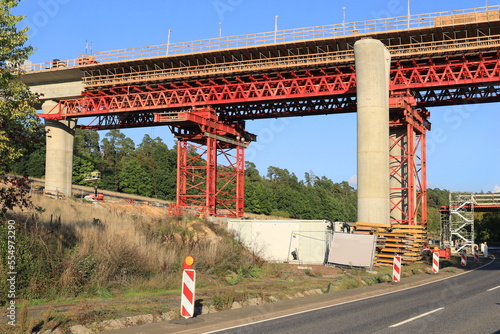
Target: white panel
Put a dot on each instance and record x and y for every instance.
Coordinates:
(274, 240)
(312, 247)
(352, 249)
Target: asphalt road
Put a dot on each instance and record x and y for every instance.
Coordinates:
(468, 303)
(465, 303)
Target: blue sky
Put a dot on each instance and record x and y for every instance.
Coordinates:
(464, 144)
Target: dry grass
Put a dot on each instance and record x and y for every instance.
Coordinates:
(108, 246)
(93, 249)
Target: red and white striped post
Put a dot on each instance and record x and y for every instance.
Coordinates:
(476, 254)
(435, 262)
(396, 269)
(188, 288)
(464, 258)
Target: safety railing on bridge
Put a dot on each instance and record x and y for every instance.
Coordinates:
(465, 16)
(490, 199)
(476, 43)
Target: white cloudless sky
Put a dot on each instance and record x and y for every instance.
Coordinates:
(463, 146)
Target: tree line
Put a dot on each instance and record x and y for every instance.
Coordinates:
(150, 169)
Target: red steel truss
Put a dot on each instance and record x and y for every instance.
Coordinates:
(207, 184)
(408, 127)
(217, 187)
(210, 162)
(463, 71)
(306, 107)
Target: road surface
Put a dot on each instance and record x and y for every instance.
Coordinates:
(468, 303)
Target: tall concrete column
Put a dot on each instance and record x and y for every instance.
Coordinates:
(59, 160)
(373, 61)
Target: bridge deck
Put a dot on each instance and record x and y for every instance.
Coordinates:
(480, 202)
(422, 35)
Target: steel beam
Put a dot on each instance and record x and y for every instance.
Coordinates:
(460, 75)
(210, 166)
(408, 169)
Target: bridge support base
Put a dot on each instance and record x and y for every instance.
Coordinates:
(59, 160)
(372, 69)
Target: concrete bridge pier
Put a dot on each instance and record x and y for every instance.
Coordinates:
(372, 60)
(59, 159)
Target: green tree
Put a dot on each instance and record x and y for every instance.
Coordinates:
(488, 227)
(81, 167)
(282, 194)
(115, 148)
(135, 179)
(86, 155)
(32, 164)
(86, 143)
(161, 164)
(19, 125)
(437, 197)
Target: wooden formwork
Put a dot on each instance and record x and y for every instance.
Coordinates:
(404, 240)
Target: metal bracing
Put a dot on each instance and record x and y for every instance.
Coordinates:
(210, 178)
(457, 219)
(487, 202)
(461, 221)
(423, 75)
(210, 163)
(408, 127)
(445, 241)
(459, 95)
(305, 107)
(204, 90)
(146, 73)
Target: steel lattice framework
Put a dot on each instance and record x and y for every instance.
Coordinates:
(212, 187)
(408, 127)
(210, 177)
(210, 161)
(452, 75)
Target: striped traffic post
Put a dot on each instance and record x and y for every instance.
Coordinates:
(188, 288)
(435, 262)
(476, 254)
(464, 258)
(396, 269)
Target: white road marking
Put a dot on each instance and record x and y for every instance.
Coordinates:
(493, 288)
(417, 317)
(348, 302)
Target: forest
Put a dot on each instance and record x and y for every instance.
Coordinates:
(149, 169)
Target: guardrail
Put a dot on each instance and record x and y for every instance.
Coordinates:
(472, 15)
(476, 43)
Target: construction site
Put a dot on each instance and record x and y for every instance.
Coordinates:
(391, 72)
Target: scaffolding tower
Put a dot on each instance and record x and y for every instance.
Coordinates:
(94, 177)
(457, 222)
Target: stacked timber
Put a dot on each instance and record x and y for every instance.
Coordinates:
(404, 240)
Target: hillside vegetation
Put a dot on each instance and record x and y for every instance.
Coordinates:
(71, 249)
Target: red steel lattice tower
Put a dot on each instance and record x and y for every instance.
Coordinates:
(210, 162)
(408, 127)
